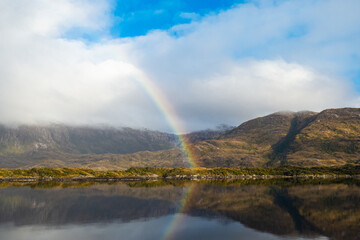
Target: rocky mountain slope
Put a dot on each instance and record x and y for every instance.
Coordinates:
(329, 138)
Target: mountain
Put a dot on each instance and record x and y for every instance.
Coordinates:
(82, 140)
(328, 138)
(253, 143)
(26, 144)
(59, 145)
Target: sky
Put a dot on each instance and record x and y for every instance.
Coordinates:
(215, 62)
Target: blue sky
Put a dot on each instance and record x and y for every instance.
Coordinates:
(81, 61)
(138, 17)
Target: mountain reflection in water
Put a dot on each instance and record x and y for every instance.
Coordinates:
(212, 210)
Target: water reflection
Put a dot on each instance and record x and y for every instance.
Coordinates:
(216, 210)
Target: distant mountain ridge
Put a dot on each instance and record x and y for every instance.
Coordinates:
(26, 145)
(82, 140)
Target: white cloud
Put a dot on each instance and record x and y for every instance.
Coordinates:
(46, 78)
(252, 88)
(224, 68)
(22, 18)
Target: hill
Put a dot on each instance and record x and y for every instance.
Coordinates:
(328, 138)
(59, 145)
(307, 139)
(82, 140)
(25, 145)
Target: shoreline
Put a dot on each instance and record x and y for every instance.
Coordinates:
(177, 177)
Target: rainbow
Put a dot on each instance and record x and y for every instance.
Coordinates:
(168, 111)
(171, 117)
(178, 217)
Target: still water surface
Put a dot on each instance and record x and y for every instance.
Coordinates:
(181, 210)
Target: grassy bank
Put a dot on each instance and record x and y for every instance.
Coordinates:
(166, 172)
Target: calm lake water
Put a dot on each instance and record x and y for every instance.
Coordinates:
(181, 210)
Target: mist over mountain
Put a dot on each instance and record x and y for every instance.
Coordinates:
(26, 145)
(207, 134)
(82, 140)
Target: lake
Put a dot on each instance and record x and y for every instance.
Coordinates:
(242, 209)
